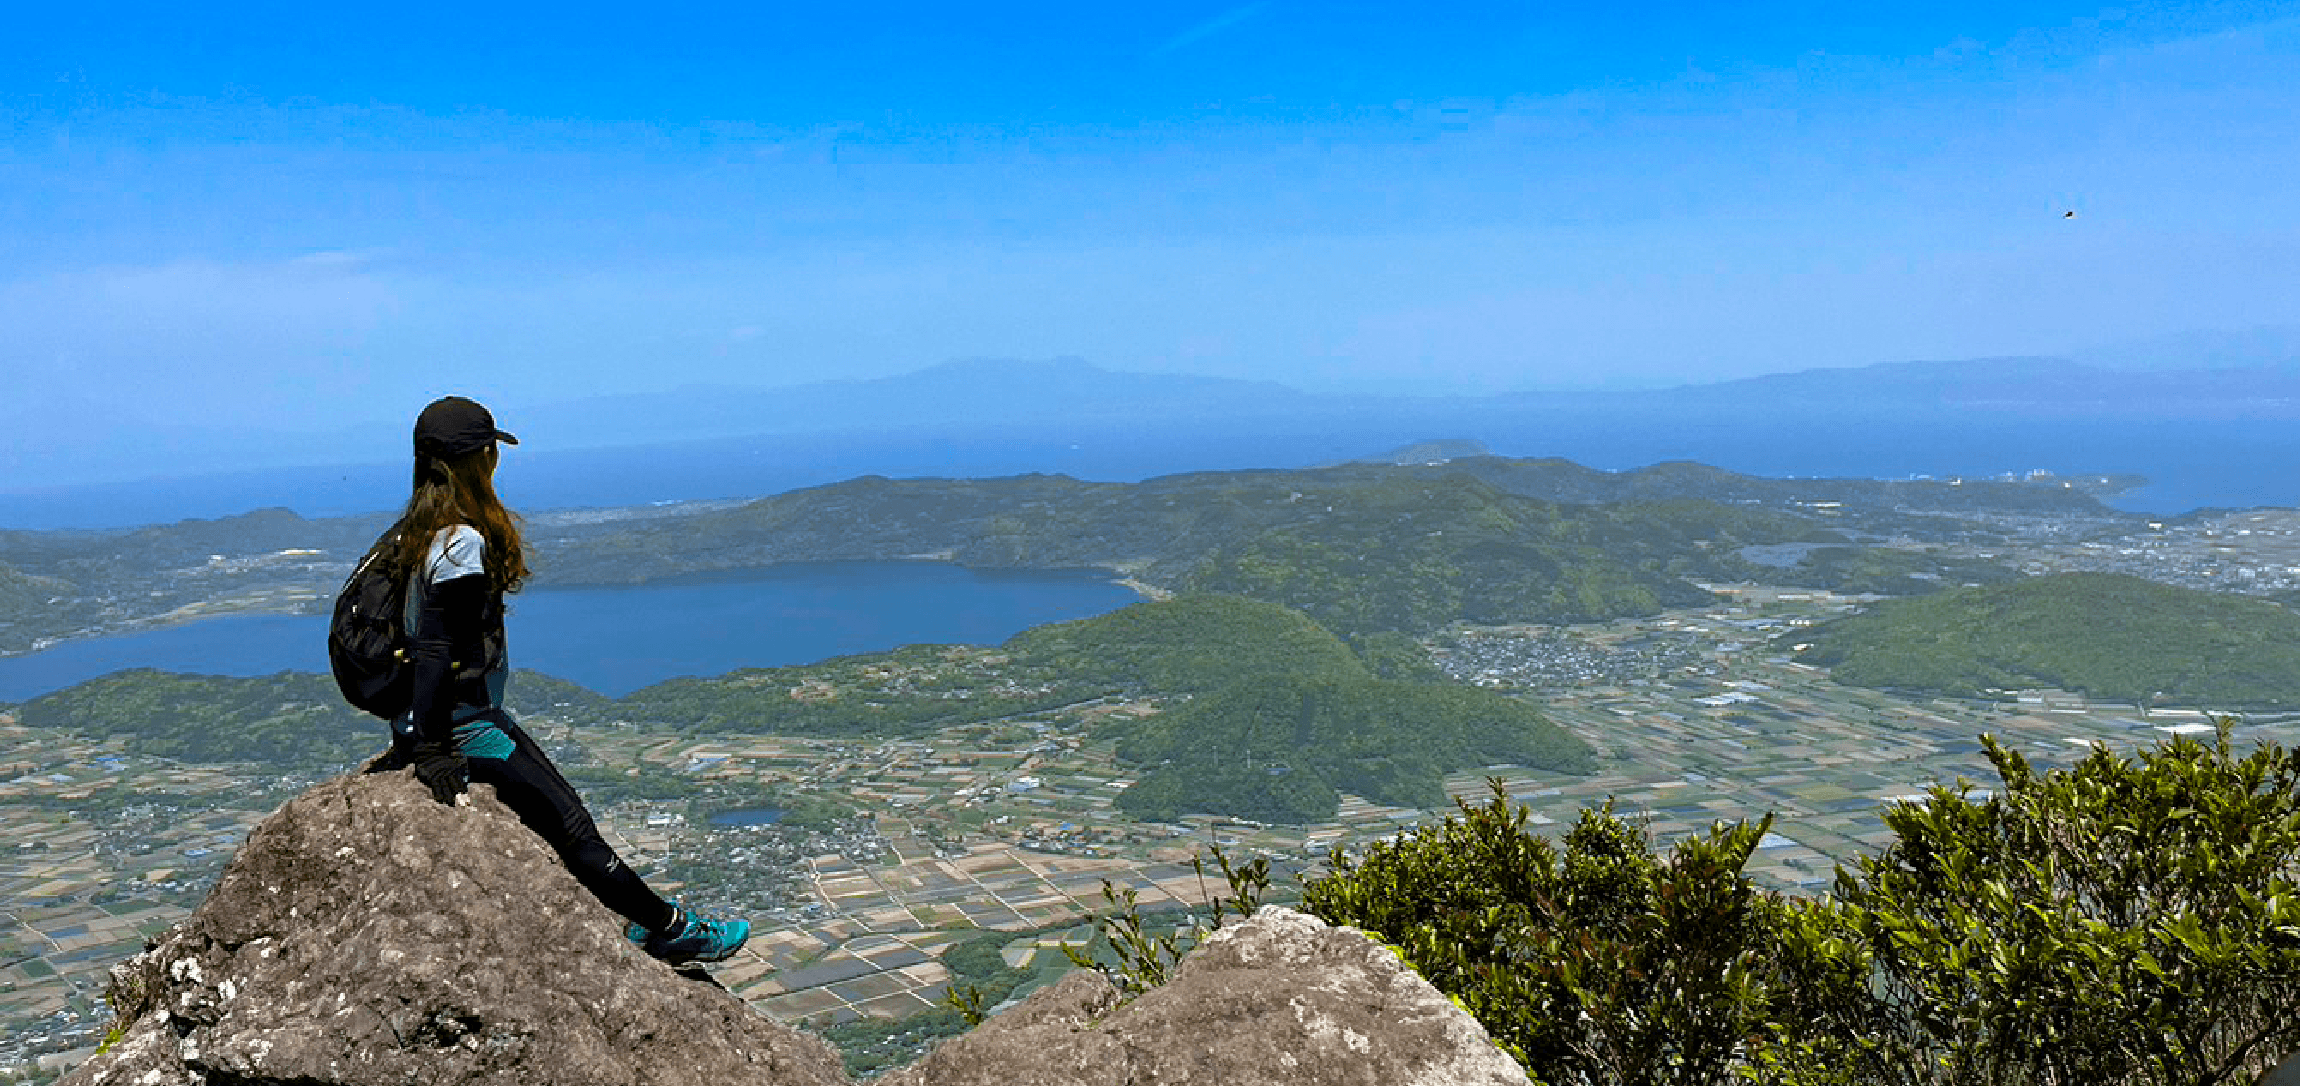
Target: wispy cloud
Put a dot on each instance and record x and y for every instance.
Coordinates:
(2243, 35)
(336, 262)
(1210, 27)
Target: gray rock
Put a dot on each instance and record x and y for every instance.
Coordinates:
(1281, 998)
(365, 934)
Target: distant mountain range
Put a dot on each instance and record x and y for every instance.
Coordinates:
(992, 417)
(2047, 386)
(972, 394)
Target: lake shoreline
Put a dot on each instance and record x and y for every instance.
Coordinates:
(616, 638)
(306, 606)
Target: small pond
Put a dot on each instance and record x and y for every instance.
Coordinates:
(755, 816)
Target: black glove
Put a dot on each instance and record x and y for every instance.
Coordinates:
(400, 754)
(442, 769)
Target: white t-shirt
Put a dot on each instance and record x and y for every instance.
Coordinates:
(459, 551)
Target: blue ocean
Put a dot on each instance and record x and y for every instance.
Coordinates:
(2234, 463)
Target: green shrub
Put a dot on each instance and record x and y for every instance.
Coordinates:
(1594, 962)
(1141, 961)
(2126, 920)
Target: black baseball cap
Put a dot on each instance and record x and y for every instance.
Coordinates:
(453, 426)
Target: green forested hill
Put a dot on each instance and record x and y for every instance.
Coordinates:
(1188, 645)
(905, 692)
(1566, 481)
(2108, 635)
(1362, 548)
(1168, 648)
(295, 720)
(1885, 571)
(1416, 558)
(1281, 714)
(32, 602)
(1280, 748)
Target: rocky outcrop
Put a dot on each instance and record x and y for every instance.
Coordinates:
(365, 934)
(1279, 999)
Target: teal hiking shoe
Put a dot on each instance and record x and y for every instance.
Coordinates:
(691, 938)
(638, 933)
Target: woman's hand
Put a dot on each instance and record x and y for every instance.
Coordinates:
(442, 769)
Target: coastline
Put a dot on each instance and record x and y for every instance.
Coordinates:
(1142, 588)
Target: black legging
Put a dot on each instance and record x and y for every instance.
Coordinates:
(531, 786)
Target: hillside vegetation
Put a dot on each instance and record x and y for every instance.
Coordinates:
(2106, 635)
(295, 721)
(1884, 571)
(1403, 548)
(1189, 645)
(1171, 648)
(1361, 548)
(2124, 921)
(31, 602)
(1280, 748)
(1415, 558)
(901, 693)
(1242, 679)
(1269, 717)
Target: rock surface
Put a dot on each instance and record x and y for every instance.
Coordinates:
(365, 934)
(1280, 999)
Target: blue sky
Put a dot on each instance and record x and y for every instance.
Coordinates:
(287, 215)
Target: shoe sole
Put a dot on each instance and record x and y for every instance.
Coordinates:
(700, 959)
(694, 958)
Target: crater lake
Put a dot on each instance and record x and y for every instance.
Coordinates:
(616, 640)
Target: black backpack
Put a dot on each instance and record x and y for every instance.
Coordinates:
(367, 641)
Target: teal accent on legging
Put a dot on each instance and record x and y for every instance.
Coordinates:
(483, 739)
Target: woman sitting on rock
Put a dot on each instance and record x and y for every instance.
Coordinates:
(462, 551)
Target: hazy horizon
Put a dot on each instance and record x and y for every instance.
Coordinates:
(968, 400)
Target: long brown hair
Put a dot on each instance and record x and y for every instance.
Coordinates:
(461, 490)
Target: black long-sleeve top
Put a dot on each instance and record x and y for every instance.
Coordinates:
(457, 638)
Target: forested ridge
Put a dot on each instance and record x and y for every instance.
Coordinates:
(1281, 748)
(1360, 548)
(2104, 634)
